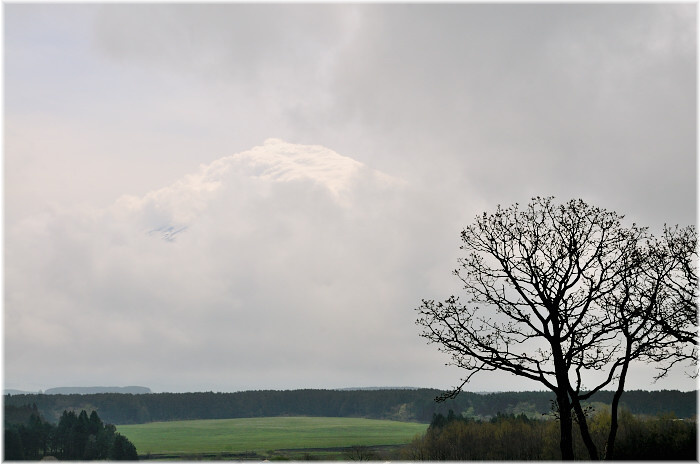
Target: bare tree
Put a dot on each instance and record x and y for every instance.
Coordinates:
(655, 311)
(360, 454)
(541, 286)
(678, 312)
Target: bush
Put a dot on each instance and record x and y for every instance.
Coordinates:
(507, 437)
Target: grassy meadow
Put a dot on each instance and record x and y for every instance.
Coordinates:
(263, 435)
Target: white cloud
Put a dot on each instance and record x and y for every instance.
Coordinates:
(258, 168)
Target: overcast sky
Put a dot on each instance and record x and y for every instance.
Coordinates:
(229, 196)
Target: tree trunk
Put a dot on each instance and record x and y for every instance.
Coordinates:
(610, 446)
(566, 442)
(583, 425)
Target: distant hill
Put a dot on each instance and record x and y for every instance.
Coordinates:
(378, 388)
(99, 390)
(14, 392)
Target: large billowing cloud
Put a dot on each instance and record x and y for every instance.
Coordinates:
(281, 266)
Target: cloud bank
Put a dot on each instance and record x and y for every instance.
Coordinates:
(287, 260)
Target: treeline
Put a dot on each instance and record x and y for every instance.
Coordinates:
(395, 404)
(76, 437)
(511, 437)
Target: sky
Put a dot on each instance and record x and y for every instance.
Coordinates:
(225, 197)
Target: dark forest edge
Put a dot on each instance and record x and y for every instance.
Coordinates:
(27, 436)
(390, 404)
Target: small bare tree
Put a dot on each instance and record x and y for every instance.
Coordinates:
(543, 290)
(655, 311)
(360, 454)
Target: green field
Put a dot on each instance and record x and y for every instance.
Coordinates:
(261, 435)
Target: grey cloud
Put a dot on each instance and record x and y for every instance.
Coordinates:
(570, 100)
(499, 101)
(468, 104)
(234, 41)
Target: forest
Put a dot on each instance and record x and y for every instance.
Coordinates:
(28, 436)
(390, 404)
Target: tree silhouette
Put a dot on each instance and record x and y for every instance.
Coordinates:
(543, 288)
(654, 310)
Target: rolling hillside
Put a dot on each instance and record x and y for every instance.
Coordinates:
(389, 404)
